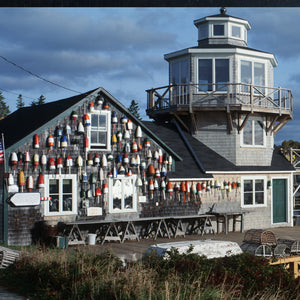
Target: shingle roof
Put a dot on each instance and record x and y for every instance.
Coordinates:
(211, 160)
(27, 119)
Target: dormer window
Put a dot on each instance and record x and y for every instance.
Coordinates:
(218, 30)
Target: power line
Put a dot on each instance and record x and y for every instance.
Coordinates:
(38, 76)
(15, 93)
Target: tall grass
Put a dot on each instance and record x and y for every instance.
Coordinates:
(66, 274)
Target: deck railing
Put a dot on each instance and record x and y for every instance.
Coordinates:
(220, 95)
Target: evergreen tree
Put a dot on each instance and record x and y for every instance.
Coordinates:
(134, 109)
(4, 108)
(20, 102)
(41, 100)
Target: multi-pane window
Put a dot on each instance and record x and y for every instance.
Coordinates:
(253, 73)
(253, 191)
(180, 72)
(62, 194)
(213, 74)
(100, 130)
(253, 132)
(123, 194)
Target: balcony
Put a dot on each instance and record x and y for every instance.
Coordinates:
(244, 98)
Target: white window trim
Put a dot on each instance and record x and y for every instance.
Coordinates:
(243, 178)
(241, 32)
(74, 195)
(213, 72)
(253, 145)
(108, 133)
(254, 60)
(134, 196)
(218, 36)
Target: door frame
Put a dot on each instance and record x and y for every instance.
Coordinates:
(289, 207)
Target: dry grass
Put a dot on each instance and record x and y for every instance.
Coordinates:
(61, 274)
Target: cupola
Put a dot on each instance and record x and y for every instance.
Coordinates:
(222, 29)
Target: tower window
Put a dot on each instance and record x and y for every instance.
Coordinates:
(253, 132)
(236, 31)
(213, 74)
(218, 30)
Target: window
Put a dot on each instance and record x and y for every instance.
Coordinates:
(212, 71)
(63, 193)
(181, 72)
(254, 132)
(253, 191)
(253, 73)
(203, 31)
(218, 30)
(123, 196)
(99, 133)
(236, 31)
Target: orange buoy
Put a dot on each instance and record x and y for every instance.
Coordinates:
(151, 170)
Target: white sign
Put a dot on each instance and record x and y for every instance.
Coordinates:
(25, 199)
(94, 211)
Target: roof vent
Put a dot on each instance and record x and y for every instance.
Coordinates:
(223, 10)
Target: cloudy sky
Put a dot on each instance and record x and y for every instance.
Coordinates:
(121, 49)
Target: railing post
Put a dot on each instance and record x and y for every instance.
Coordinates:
(279, 100)
(190, 97)
(228, 93)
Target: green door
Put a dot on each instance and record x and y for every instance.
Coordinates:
(279, 200)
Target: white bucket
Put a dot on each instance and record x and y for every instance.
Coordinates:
(92, 239)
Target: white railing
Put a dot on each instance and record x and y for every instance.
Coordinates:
(233, 94)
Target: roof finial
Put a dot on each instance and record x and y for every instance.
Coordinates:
(223, 10)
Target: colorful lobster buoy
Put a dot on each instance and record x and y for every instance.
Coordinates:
(151, 170)
(51, 164)
(44, 161)
(87, 120)
(21, 180)
(151, 187)
(114, 119)
(41, 181)
(114, 142)
(138, 134)
(97, 160)
(36, 141)
(120, 137)
(14, 160)
(92, 108)
(59, 163)
(30, 183)
(80, 128)
(74, 116)
(36, 161)
(50, 142)
(90, 161)
(163, 189)
(129, 125)
(11, 179)
(69, 163)
(79, 162)
(27, 159)
(98, 194)
(104, 161)
(134, 148)
(170, 189)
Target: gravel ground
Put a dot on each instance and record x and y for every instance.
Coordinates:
(133, 250)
